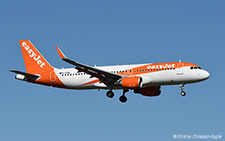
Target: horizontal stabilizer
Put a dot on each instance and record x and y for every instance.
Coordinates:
(31, 76)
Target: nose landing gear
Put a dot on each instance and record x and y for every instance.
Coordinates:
(183, 93)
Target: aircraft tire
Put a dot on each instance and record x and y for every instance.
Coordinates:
(183, 93)
(110, 94)
(123, 99)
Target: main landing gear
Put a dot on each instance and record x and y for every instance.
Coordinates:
(122, 98)
(110, 94)
(183, 93)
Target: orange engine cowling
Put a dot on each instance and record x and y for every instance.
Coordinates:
(131, 82)
(149, 91)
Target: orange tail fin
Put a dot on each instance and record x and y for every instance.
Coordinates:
(35, 63)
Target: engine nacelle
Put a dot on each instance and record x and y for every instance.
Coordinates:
(149, 91)
(131, 82)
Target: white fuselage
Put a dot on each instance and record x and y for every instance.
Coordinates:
(73, 79)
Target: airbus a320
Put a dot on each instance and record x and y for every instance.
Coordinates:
(144, 79)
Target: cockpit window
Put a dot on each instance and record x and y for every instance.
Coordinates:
(195, 67)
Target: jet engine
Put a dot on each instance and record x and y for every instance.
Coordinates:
(149, 91)
(131, 82)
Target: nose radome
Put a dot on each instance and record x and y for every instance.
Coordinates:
(206, 75)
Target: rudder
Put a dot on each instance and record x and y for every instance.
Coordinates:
(35, 63)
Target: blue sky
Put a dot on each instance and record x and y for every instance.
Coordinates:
(109, 33)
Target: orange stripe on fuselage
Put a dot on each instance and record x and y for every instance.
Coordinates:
(150, 68)
(46, 80)
(155, 67)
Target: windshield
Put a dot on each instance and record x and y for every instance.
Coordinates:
(195, 67)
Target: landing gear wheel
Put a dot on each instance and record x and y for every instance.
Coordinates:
(182, 90)
(123, 99)
(183, 93)
(110, 94)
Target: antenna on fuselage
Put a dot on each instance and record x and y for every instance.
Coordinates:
(179, 60)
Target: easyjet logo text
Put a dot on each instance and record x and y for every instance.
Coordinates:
(32, 54)
(161, 66)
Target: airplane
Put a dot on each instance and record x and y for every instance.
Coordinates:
(144, 79)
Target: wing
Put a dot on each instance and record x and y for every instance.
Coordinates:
(105, 77)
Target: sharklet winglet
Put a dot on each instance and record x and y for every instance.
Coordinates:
(61, 54)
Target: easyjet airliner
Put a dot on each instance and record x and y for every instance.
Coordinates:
(145, 79)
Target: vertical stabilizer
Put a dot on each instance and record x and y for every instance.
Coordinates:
(35, 63)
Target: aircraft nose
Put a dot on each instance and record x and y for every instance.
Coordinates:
(205, 75)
